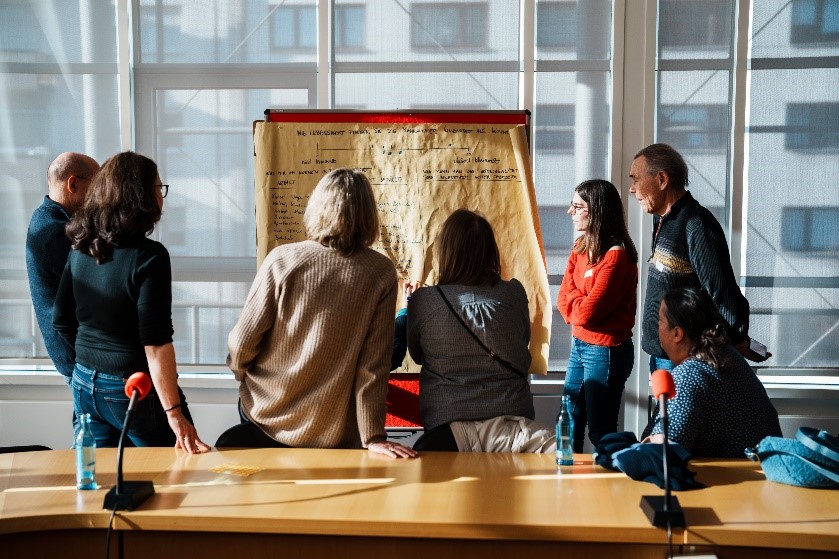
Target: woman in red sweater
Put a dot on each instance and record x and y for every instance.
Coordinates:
(597, 298)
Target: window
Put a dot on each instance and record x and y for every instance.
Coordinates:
(555, 127)
(790, 213)
(28, 125)
(18, 30)
(694, 93)
(812, 126)
(815, 341)
(695, 23)
(815, 21)
(59, 89)
(173, 229)
(350, 27)
(160, 32)
(294, 27)
(203, 70)
(810, 229)
(458, 26)
(694, 126)
(557, 232)
(556, 25)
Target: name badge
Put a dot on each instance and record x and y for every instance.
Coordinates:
(589, 273)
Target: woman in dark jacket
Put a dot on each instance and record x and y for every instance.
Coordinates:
(459, 381)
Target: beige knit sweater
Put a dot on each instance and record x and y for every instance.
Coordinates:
(313, 345)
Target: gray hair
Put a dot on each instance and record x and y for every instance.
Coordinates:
(662, 157)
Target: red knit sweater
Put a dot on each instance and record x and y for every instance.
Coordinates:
(599, 301)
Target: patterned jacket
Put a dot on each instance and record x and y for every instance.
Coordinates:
(690, 250)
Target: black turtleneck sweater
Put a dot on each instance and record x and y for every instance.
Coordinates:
(110, 311)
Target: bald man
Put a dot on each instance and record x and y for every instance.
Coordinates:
(47, 246)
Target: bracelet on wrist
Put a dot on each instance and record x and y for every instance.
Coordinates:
(176, 406)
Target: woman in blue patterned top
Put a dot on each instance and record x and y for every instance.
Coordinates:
(720, 406)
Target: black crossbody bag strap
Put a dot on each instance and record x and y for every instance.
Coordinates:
(491, 353)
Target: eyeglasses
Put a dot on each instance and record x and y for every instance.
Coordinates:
(578, 208)
(164, 189)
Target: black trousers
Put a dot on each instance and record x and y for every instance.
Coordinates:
(246, 435)
(438, 439)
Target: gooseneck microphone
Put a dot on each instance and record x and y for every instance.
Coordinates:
(663, 512)
(128, 495)
(663, 390)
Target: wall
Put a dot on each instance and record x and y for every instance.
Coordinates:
(35, 407)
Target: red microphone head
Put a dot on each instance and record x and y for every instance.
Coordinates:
(139, 382)
(662, 384)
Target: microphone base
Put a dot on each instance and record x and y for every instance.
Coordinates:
(134, 494)
(653, 507)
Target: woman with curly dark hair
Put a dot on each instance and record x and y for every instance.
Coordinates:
(114, 305)
(720, 407)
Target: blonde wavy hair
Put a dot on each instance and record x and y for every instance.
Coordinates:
(341, 213)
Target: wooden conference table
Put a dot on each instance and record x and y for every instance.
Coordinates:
(347, 503)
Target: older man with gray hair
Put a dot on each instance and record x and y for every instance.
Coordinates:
(688, 250)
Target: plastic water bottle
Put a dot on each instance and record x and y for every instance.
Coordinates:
(565, 434)
(85, 455)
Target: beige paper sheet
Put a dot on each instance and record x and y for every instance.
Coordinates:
(420, 173)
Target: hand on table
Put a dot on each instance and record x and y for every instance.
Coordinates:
(394, 450)
(186, 437)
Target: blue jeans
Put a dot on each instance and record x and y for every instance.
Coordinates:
(76, 424)
(595, 380)
(660, 363)
(102, 395)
